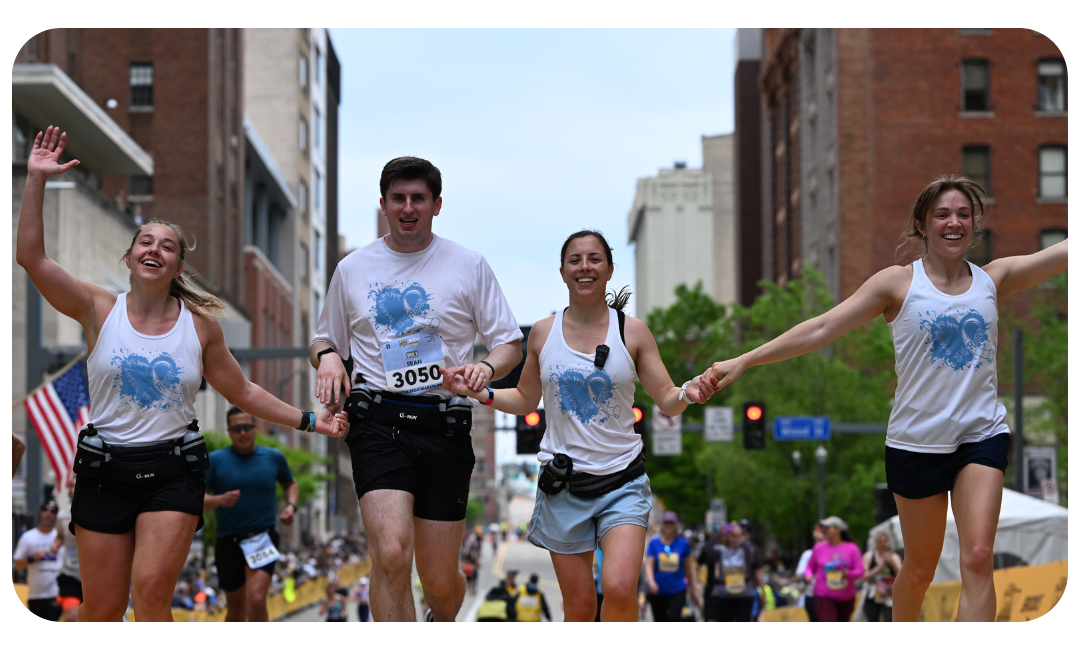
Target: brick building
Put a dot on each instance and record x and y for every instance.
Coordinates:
(857, 121)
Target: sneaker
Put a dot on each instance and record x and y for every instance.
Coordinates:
(429, 617)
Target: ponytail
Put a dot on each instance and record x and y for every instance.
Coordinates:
(202, 303)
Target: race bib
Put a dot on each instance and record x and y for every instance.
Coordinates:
(734, 581)
(835, 580)
(259, 550)
(414, 363)
(669, 562)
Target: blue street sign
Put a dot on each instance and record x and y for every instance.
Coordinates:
(801, 428)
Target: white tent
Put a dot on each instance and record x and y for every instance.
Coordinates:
(1031, 529)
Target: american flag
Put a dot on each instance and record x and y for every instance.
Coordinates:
(59, 409)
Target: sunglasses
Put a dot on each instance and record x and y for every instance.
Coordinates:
(237, 428)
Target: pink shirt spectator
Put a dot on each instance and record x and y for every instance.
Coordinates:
(835, 569)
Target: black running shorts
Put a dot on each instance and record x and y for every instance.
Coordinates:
(112, 508)
(231, 565)
(915, 475)
(433, 467)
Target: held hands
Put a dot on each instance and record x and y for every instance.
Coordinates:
(722, 373)
(329, 381)
(45, 154)
(477, 375)
(454, 380)
(329, 423)
(699, 390)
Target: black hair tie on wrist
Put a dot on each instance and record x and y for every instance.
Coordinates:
(489, 366)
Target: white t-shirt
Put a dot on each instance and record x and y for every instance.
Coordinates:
(40, 574)
(399, 315)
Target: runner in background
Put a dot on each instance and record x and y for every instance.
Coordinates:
(241, 488)
(836, 565)
(882, 566)
(670, 572)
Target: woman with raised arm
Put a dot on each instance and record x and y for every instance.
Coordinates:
(136, 507)
(593, 488)
(947, 432)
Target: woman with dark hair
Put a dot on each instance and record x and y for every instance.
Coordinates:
(593, 489)
(835, 565)
(947, 432)
(136, 508)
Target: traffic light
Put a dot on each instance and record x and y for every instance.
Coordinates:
(530, 429)
(754, 425)
(639, 419)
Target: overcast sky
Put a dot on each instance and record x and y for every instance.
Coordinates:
(538, 133)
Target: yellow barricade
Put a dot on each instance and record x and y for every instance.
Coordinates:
(1023, 593)
(22, 590)
(277, 607)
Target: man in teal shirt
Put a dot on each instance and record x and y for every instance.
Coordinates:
(241, 486)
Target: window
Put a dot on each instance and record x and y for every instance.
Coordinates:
(318, 305)
(1052, 85)
(317, 244)
(303, 260)
(317, 194)
(318, 65)
(303, 71)
(976, 165)
(1053, 183)
(303, 197)
(141, 186)
(141, 80)
(303, 134)
(975, 82)
(316, 136)
(1048, 238)
(982, 252)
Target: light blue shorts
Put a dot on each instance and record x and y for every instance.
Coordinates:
(564, 523)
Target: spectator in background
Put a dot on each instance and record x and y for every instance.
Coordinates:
(35, 553)
(669, 571)
(800, 571)
(363, 605)
(836, 564)
(881, 566)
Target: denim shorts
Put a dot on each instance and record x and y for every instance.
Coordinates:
(564, 523)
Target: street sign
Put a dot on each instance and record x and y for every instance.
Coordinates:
(801, 428)
(719, 423)
(661, 422)
(667, 443)
(1050, 491)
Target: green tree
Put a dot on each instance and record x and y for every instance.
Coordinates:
(302, 463)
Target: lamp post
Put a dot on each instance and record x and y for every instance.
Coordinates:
(821, 455)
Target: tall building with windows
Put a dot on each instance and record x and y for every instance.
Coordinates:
(857, 121)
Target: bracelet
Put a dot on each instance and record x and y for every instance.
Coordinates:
(318, 355)
(30, 559)
(293, 504)
(682, 392)
(303, 426)
(311, 421)
(491, 396)
(489, 366)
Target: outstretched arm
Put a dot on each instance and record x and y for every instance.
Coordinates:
(70, 296)
(1013, 274)
(884, 291)
(223, 373)
(520, 400)
(654, 376)
(501, 360)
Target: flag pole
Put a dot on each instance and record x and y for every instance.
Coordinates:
(49, 379)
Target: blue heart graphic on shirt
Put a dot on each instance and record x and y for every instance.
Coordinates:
(957, 341)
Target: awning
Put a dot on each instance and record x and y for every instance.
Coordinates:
(45, 95)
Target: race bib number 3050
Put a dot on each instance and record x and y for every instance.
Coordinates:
(413, 364)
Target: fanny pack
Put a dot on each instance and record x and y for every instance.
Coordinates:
(432, 415)
(146, 465)
(591, 486)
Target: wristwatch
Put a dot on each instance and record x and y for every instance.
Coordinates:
(293, 504)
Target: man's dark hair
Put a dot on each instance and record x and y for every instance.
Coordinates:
(408, 168)
(233, 410)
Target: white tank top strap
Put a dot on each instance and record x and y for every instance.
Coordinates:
(589, 409)
(142, 386)
(946, 366)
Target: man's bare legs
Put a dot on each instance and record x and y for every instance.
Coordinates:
(438, 548)
(388, 519)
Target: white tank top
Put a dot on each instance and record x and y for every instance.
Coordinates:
(142, 388)
(590, 414)
(946, 366)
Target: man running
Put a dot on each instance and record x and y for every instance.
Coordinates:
(398, 311)
(242, 479)
(35, 553)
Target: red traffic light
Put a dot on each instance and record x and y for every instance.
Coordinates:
(638, 414)
(753, 412)
(532, 419)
